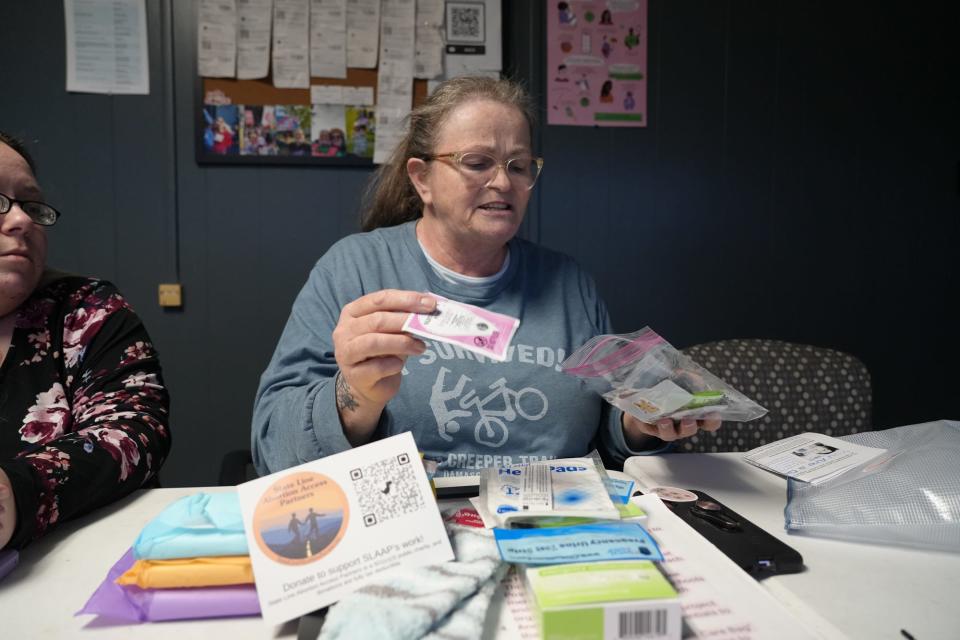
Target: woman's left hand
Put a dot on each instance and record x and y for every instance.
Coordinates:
(667, 429)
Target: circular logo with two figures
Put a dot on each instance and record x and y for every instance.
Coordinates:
(300, 518)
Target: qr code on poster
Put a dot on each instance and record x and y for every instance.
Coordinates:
(387, 489)
(465, 22)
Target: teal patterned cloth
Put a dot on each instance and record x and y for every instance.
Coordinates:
(448, 600)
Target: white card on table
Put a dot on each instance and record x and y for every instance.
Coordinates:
(323, 529)
(811, 457)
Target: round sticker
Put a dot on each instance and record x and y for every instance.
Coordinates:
(300, 518)
(673, 494)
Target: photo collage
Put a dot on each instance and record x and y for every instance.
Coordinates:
(320, 131)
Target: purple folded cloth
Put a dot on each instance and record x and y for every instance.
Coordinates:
(130, 603)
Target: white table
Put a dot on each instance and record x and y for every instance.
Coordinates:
(58, 573)
(865, 591)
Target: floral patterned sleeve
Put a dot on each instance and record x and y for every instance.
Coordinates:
(95, 410)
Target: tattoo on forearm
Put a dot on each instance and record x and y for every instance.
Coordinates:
(345, 399)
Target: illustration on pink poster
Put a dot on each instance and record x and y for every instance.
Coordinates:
(597, 63)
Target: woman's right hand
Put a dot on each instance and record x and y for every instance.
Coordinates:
(371, 350)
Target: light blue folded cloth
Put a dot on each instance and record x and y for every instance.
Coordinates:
(203, 524)
(446, 601)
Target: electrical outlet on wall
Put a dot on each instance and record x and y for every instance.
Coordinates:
(171, 295)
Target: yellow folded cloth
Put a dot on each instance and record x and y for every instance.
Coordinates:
(189, 572)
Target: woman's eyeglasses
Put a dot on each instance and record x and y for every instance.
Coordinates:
(40, 212)
(480, 169)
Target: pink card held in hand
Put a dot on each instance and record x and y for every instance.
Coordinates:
(466, 326)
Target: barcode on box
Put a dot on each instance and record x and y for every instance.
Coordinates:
(642, 624)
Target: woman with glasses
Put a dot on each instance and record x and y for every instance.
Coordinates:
(442, 217)
(83, 409)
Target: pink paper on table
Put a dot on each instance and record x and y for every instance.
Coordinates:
(464, 325)
(133, 604)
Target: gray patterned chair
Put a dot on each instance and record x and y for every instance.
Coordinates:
(804, 388)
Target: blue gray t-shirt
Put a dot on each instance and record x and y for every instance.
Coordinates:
(465, 411)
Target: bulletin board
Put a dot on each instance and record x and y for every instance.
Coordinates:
(328, 121)
(253, 122)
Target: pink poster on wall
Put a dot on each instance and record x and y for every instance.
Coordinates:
(597, 63)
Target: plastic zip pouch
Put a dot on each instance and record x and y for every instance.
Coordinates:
(909, 496)
(202, 524)
(567, 487)
(601, 541)
(645, 376)
(466, 326)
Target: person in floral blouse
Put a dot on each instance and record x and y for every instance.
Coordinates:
(83, 409)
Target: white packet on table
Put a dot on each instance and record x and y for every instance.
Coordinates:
(566, 487)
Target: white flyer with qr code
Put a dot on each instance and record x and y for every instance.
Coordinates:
(323, 529)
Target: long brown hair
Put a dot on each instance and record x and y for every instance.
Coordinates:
(18, 145)
(390, 198)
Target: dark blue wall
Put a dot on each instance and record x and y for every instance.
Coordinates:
(799, 180)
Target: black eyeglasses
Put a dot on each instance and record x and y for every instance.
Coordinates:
(40, 212)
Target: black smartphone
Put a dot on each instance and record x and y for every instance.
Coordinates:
(759, 553)
(450, 487)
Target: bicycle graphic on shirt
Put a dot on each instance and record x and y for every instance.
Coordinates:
(501, 405)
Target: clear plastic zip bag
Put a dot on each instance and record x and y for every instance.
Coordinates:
(645, 376)
(908, 497)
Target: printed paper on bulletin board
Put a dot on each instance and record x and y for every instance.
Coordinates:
(597, 63)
